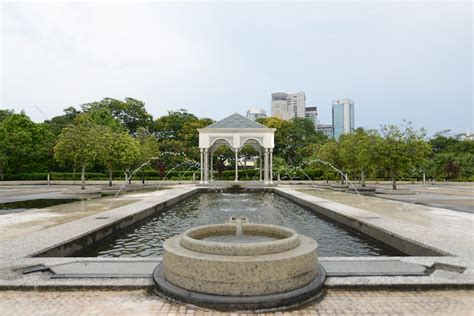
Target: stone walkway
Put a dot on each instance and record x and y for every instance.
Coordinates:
(426, 216)
(336, 302)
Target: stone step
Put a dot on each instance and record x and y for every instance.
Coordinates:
(144, 269)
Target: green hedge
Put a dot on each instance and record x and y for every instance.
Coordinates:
(55, 176)
(118, 175)
(244, 174)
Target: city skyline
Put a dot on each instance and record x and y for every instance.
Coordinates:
(415, 65)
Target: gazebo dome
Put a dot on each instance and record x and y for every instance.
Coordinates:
(235, 131)
(236, 121)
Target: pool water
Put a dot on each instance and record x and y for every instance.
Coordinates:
(215, 208)
(241, 239)
(19, 206)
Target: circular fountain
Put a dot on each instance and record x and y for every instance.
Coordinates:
(240, 266)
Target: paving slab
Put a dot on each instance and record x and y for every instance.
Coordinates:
(53, 238)
(139, 302)
(97, 269)
(372, 268)
(144, 269)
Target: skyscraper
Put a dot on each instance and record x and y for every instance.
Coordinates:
(287, 106)
(342, 117)
(254, 113)
(326, 129)
(311, 113)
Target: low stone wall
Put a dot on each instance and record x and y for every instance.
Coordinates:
(66, 239)
(409, 247)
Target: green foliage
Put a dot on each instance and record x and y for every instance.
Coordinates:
(24, 145)
(5, 113)
(402, 150)
(293, 137)
(81, 144)
(119, 150)
(131, 113)
(57, 123)
(330, 153)
(147, 145)
(177, 132)
(118, 136)
(244, 174)
(357, 152)
(220, 156)
(171, 126)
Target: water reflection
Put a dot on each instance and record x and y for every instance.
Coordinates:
(216, 208)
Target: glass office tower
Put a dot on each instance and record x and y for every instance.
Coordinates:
(342, 117)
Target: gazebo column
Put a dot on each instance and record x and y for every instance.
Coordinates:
(206, 165)
(210, 171)
(271, 165)
(236, 165)
(201, 179)
(265, 168)
(260, 162)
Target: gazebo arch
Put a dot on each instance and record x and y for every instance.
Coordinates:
(237, 130)
(223, 141)
(244, 140)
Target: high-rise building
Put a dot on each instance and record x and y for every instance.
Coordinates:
(311, 113)
(254, 113)
(326, 129)
(342, 117)
(287, 106)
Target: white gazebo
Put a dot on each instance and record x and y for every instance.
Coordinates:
(236, 131)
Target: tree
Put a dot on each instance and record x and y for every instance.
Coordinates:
(291, 137)
(57, 123)
(441, 143)
(5, 113)
(356, 151)
(81, 144)
(25, 146)
(131, 113)
(119, 150)
(330, 158)
(170, 126)
(148, 148)
(402, 149)
(248, 151)
(3, 161)
(177, 132)
(451, 158)
(221, 155)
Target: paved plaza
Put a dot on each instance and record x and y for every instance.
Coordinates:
(336, 302)
(340, 298)
(15, 225)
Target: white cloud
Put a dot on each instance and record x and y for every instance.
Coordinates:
(395, 60)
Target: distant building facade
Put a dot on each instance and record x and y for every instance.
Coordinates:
(465, 136)
(254, 113)
(326, 129)
(311, 113)
(342, 117)
(287, 106)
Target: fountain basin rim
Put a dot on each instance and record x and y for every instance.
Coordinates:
(287, 239)
(281, 301)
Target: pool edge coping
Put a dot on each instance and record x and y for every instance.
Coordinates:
(437, 279)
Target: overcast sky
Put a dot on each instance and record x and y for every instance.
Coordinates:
(396, 61)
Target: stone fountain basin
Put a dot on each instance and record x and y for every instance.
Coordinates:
(286, 263)
(278, 239)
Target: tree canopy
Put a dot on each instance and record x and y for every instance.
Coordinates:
(120, 135)
(131, 113)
